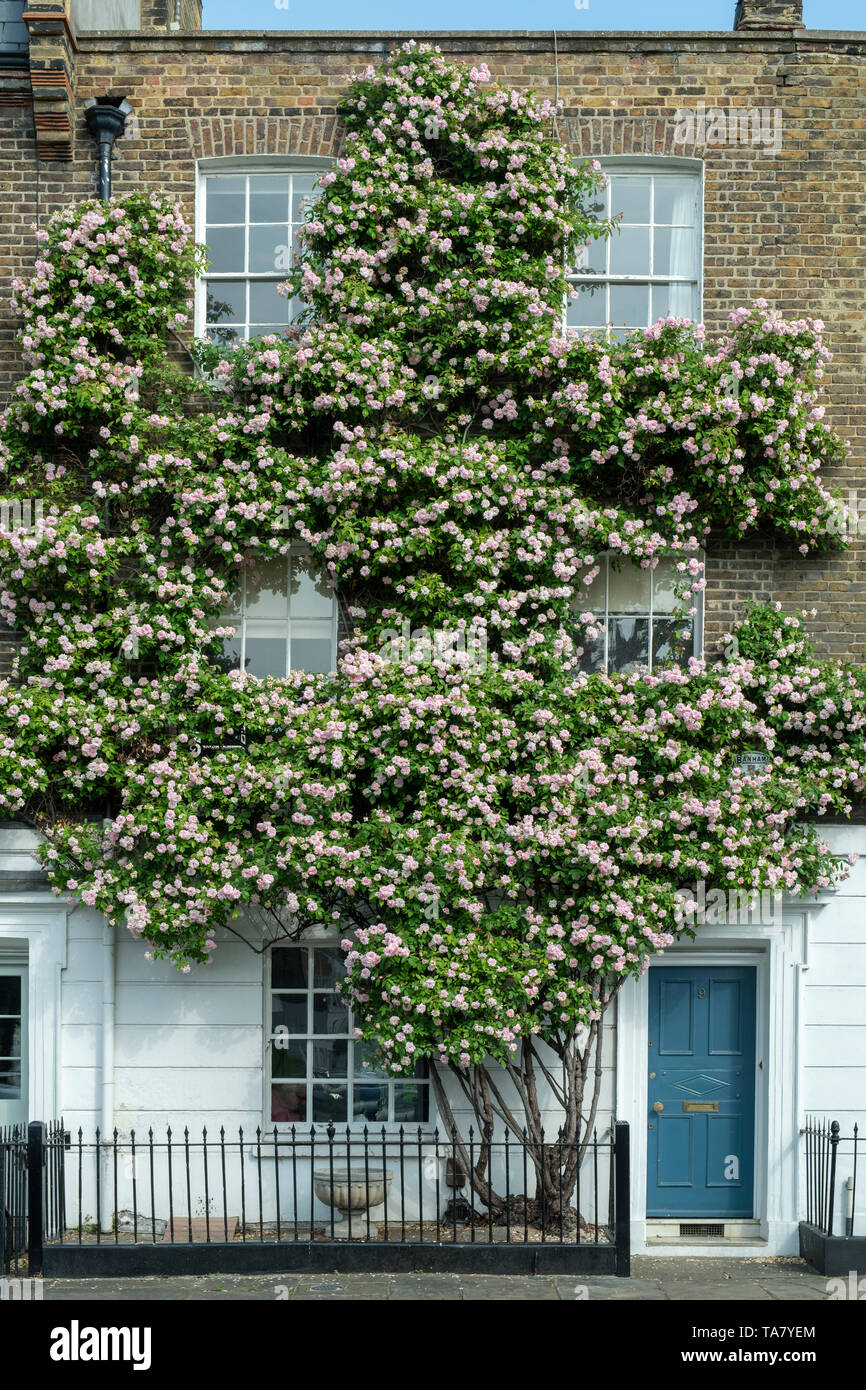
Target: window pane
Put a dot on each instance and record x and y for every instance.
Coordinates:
(289, 968)
(232, 652)
(10, 1038)
(10, 1080)
(266, 649)
(267, 305)
(302, 194)
(630, 251)
(330, 1014)
(629, 306)
(268, 589)
(225, 199)
(680, 300)
(370, 1102)
(590, 597)
(312, 596)
(589, 309)
(675, 201)
(673, 251)
(225, 335)
(369, 1061)
(269, 247)
(630, 195)
(665, 576)
(233, 598)
(226, 301)
(330, 1059)
(629, 587)
(289, 1058)
(593, 656)
(328, 966)
(289, 1103)
(668, 645)
(330, 1103)
(269, 197)
(289, 1011)
(312, 648)
(225, 248)
(410, 1101)
(595, 204)
(10, 994)
(628, 643)
(593, 256)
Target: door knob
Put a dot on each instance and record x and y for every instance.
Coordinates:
(658, 1107)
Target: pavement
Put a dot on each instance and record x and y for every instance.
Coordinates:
(654, 1278)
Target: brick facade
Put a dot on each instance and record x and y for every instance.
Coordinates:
(787, 226)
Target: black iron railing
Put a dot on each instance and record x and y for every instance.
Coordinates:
(831, 1170)
(13, 1197)
(413, 1188)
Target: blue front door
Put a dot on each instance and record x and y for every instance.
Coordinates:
(701, 1113)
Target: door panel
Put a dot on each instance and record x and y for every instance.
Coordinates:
(700, 1150)
(676, 1019)
(674, 1151)
(725, 1018)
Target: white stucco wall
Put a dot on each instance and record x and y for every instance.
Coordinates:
(189, 1048)
(833, 1037)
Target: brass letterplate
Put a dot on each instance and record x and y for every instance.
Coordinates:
(710, 1107)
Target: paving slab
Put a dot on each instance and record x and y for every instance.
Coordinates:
(655, 1278)
(682, 1292)
(491, 1288)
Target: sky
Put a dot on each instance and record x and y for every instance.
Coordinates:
(652, 15)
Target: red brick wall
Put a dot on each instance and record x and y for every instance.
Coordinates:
(787, 226)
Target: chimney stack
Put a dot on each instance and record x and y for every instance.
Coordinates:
(769, 14)
(171, 16)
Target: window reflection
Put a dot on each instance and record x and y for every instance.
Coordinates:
(644, 619)
(319, 1072)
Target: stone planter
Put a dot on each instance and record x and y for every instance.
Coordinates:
(354, 1192)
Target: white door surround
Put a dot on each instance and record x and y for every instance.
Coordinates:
(33, 933)
(779, 952)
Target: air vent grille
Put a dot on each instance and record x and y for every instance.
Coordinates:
(702, 1228)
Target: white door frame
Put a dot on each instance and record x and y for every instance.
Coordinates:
(33, 933)
(779, 953)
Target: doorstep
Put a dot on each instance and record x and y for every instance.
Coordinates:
(671, 1231)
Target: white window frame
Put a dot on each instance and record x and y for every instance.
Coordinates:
(673, 166)
(18, 970)
(324, 938)
(239, 623)
(606, 556)
(233, 165)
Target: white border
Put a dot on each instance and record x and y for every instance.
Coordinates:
(779, 953)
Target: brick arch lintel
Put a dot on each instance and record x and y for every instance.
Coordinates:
(217, 137)
(593, 137)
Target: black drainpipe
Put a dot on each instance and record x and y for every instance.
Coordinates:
(106, 118)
